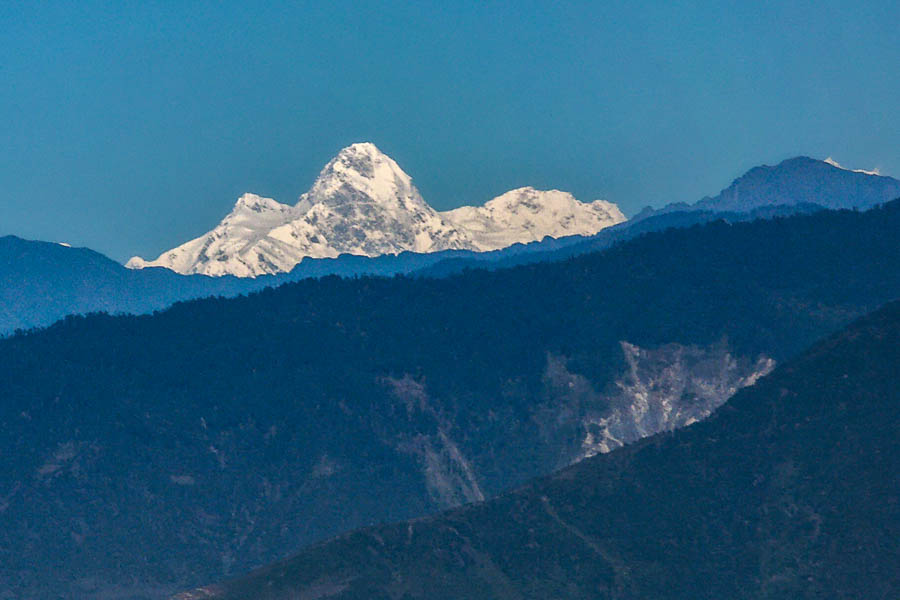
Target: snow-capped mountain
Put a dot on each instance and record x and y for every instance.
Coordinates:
(529, 215)
(363, 203)
(239, 245)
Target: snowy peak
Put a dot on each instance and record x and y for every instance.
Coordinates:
(363, 203)
(251, 211)
(227, 249)
(529, 201)
(362, 173)
(526, 215)
(251, 203)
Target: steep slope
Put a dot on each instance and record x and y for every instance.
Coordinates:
(150, 454)
(363, 203)
(792, 490)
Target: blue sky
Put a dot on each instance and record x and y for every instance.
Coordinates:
(131, 127)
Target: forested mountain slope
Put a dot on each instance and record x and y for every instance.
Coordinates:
(154, 453)
(791, 490)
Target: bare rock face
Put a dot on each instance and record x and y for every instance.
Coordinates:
(450, 478)
(363, 203)
(661, 389)
(666, 388)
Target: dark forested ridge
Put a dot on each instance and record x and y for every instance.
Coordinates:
(146, 454)
(791, 490)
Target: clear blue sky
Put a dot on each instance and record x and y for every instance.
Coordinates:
(131, 127)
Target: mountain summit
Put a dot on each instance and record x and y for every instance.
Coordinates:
(805, 180)
(363, 203)
(362, 173)
(528, 215)
(799, 181)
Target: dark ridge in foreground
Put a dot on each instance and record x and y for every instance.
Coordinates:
(791, 490)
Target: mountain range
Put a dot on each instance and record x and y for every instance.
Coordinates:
(149, 454)
(363, 203)
(43, 282)
(143, 455)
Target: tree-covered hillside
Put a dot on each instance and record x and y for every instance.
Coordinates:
(158, 452)
(791, 490)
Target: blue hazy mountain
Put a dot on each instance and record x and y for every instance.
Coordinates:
(804, 180)
(42, 282)
(796, 185)
(799, 180)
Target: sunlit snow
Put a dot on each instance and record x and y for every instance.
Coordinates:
(363, 203)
